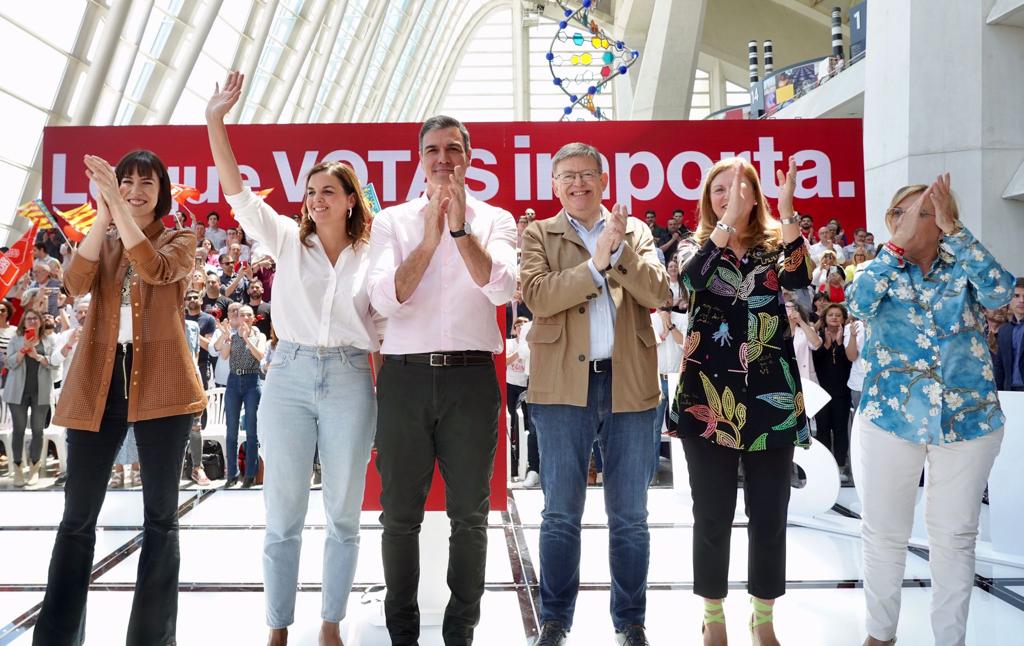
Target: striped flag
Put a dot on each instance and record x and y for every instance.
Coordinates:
(37, 212)
(80, 218)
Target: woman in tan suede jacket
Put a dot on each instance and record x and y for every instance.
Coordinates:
(132, 366)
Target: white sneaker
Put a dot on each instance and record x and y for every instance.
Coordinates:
(532, 479)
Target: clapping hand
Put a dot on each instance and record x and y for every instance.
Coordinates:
(907, 223)
(102, 174)
(434, 220)
(739, 193)
(611, 237)
(942, 200)
(456, 211)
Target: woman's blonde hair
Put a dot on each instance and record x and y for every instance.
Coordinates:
(762, 228)
(358, 223)
(904, 193)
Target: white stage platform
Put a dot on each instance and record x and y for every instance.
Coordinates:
(222, 599)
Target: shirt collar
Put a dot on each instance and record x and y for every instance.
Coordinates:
(581, 229)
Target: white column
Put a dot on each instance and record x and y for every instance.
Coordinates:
(943, 92)
(664, 85)
(520, 65)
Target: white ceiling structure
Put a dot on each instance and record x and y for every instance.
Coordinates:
(146, 62)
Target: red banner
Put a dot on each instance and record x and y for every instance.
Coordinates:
(652, 164)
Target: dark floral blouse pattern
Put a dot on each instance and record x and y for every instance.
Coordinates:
(739, 386)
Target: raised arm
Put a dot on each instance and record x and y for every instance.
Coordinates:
(219, 105)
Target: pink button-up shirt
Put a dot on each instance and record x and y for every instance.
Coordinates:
(448, 312)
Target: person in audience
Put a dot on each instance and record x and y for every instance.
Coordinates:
(515, 309)
(832, 366)
(995, 319)
(45, 280)
(438, 396)
(854, 337)
(826, 243)
(834, 286)
(242, 252)
(838, 233)
(131, 367)
(41, 254)
(199, 229)
(64, 351)
(319, 390)
(819, 302)
(214, 233)
(7, 331)
(805, 340)
(593, 376)
(30, 377)
(240, 346)
(233, 283)
(517, 357)
(826, 262)
(260, 307)
(206, 326)
(858, 255)
(929, 396)
(670, 331)
(869, 244)
(675, 235)
(678, 293)
(1009, 359)
(212, 255)
(215, 303)
(859, 235)
(739, 398)
(807, 229)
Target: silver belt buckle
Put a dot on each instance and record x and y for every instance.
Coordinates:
(437, 360)
(593, 365)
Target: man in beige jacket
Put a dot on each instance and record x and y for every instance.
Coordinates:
(591, 277)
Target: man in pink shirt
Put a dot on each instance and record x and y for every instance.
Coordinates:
(439, 265)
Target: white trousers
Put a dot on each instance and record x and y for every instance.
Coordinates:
(887, 470)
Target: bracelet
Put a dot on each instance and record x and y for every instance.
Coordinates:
(793, 220)
(899, 251)
(725, 227)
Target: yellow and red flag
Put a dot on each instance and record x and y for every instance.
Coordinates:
(17, 260)
(37, 212)
(79, 218)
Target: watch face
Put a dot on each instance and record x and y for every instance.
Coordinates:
(467, 229)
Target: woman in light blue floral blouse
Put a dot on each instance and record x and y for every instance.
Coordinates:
(929, 396)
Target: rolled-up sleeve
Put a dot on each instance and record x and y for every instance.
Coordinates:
(384, 262)
(261, 222)
(501, 247)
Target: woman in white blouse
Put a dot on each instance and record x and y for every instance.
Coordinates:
(319, 391)
(805, 340)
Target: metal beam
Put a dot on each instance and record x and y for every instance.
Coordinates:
(311, 18)
(326, 43)
(397, 108)
(100, 67)
(387, 71)
(200, 32)
(247, 56)
(122, 84)
(355, 72)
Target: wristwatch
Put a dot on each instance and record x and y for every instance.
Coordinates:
(464, 231)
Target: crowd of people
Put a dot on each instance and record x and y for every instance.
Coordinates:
(138, 323)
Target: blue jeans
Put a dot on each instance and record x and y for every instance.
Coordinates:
(566, 435)
(242, 389)
(315, 398)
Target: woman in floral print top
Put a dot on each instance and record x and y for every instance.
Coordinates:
(739, 395)
(928, 397)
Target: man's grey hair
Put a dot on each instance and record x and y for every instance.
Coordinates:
(443, 122)
(577, 149)
(44, 266)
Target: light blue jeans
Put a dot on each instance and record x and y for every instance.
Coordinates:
(314, 397)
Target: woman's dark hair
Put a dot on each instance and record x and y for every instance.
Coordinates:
(24, 315)
(145, 164)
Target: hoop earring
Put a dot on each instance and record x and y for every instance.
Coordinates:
(349, 216)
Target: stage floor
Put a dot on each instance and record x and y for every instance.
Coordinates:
(221, 598)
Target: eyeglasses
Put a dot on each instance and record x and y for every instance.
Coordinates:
(192, 298)
(898, 212)
(569, 177)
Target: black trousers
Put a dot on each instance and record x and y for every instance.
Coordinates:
(833, 425)
(766, 490)
(448, 416)
(161, 445)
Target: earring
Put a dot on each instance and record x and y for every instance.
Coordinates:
(349, 216)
